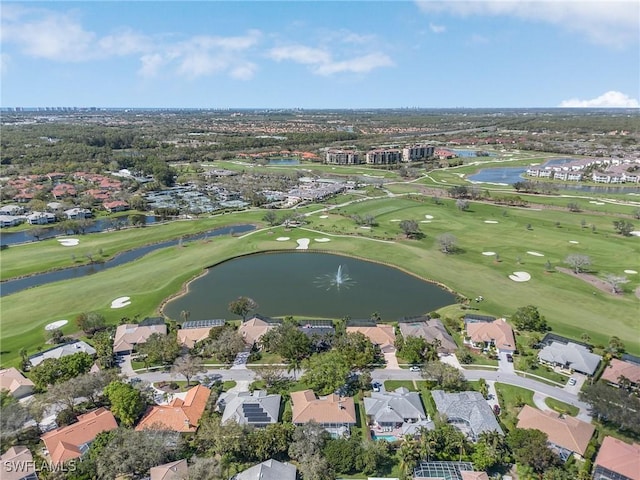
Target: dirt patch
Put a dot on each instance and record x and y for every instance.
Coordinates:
(591, 280)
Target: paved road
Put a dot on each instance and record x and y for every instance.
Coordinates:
(248, 375)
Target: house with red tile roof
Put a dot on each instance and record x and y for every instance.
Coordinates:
(566, 435)
(17, 464)
(382, 335)
(617, 460)
(64, 190)
(116, 206)
(170, 471)
(15, 382)
(335, 413)
(73, 441)
(181, 415)
(619, 368)
(497, 334)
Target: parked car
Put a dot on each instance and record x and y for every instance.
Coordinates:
(572, 381)
(509, 358)
(414, 368)
(496, 409)
(376, 386)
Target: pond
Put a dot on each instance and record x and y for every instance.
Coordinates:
(12, 286)
(50, 231)
(309, 284)
(284, 161)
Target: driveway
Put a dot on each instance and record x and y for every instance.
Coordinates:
(392, 361)
(504, 365)
(575, 389)
(240, 362)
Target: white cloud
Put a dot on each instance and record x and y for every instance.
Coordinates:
(49, 35)
(321, 61)
(125, 42)
(610, 99)
(5, 59)
(437, 28)
(614, 23)
(362, 64)
(300, 54)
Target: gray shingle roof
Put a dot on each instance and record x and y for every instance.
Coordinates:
(576, 356)
(246, 408)
(394, 406)
(467, 407)
(269, 470)
(62, 351)
(429, 330)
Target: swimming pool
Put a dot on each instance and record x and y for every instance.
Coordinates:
(386, 438)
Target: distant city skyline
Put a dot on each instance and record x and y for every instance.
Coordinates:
(321, 54)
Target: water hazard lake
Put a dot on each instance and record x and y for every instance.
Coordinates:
(304, 284)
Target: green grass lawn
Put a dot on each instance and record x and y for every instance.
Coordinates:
(390, 385)
(571, 306)
(561, 407)
(511, 400)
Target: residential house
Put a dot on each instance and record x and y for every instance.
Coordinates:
(335, 413)
(73, 441)
(432, 330)
(617, 460)
(11, 210)
(467, 411)
(570, 357)
(258, 409)
(383, 156)
(17, 464)
(382, 335)
(497, 334)
(41, 218)
(62, 351)
(78, 213)
(253, 329)
(170, 471)
(620, 368)
(129, 335)
(10, 221)
(268, 470)
(441, 470)
(566, 435)
(62, 190)
(319, 332)
(399, 412)
(116, 206)
(15, 382)
(180, 415)
(194, 331)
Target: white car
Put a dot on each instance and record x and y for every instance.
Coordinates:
(414, 368)
(572, 381)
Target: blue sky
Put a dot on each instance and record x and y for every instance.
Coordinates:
(321, 54)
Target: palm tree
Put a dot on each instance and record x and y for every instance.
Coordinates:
(409, 454)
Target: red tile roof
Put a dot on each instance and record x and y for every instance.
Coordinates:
(180, 415)
(620, 457)
(64, 443)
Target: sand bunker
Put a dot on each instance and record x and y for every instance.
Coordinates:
(425, 221)
(536, 254)
(635, 233)
(366, 228)
(429, 217)
(630, 272)
(121, 302)
(55, 325)
(323, 240)
(303, 244)
(490, 221)
(488, 254)
(520, 277)
(68, 242)
(395, 220)
(282, 239)
(575, 242)
(596, 203)
(323, 216)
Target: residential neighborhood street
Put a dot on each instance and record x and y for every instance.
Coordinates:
(382, 374)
